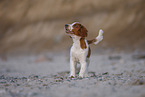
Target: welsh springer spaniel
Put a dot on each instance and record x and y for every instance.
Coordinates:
(80, 50)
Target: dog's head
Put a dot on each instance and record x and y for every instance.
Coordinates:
(76, 29)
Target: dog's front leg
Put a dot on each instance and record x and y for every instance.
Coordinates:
(83, 71)
(72, 67)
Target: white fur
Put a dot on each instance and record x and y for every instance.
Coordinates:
(71, 26)
(77, 54)
(99, 37)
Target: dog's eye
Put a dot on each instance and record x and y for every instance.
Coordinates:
(75, 25)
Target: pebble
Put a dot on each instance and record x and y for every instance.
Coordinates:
(2, 82)
(58, 80)
(141, 56)
(105, 73)
(37, 82)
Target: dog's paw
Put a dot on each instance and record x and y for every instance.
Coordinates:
(79, 77)
(83, 76)
(99, 38)
(71, 76)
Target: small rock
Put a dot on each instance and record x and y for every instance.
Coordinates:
(58, 80)
(105, 73)
(2, 77)
(18, 84)
(68, 80)
(24, 78)
(12, 81)
(45, 84)
(7, 85)
(2, 82)
(33, 76)
(92, 74)
(138, 56)
(32, 94)
(139, 82)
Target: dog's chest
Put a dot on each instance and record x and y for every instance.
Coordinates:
(77, 52)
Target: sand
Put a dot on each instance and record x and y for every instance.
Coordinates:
(46, 75)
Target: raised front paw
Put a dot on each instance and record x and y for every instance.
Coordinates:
(100, 38)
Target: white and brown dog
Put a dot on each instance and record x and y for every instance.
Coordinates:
(80, 50)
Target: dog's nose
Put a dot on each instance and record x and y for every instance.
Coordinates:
(66, 25)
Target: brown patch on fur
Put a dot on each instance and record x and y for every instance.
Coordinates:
(80, 30)
(91, 41)
(89, 53)
(83, 31)
(82, 43)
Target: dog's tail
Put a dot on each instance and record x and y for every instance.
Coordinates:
(97, 39)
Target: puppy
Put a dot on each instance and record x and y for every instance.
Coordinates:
(80, 50)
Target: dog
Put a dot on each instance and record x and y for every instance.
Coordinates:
(80, 51)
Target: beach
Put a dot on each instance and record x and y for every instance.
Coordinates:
(46, 75)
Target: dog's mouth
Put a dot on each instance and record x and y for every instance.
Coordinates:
(69, 32)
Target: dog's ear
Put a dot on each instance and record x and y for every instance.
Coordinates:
(83, 31)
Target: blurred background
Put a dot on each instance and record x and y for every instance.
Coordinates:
(38, 25)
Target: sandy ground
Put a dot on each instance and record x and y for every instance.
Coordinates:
(46, 75)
